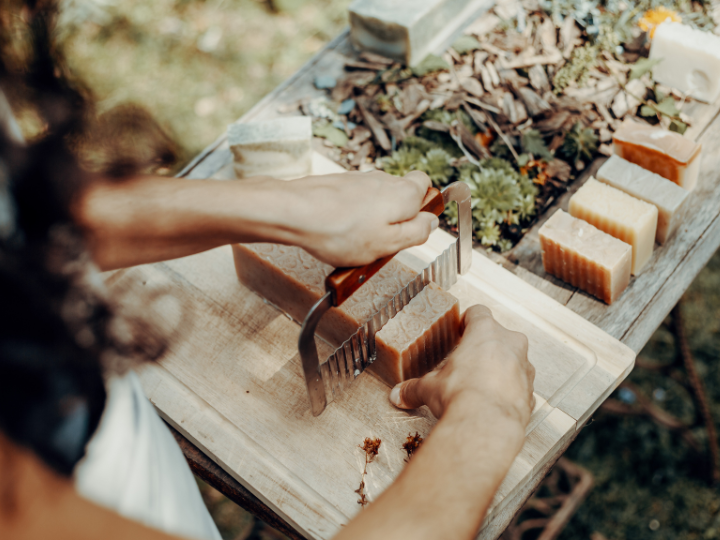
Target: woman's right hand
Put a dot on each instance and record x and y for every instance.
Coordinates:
(489, 366)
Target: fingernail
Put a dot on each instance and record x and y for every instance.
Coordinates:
(395, 396)
(434, 224)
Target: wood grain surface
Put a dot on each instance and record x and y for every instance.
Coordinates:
(232, 384)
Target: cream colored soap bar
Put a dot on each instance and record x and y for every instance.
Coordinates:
(293, 280)
(281, 148)
(584, 256)
(669, 198)
(626, 218)
(689, 60)
(663, 152)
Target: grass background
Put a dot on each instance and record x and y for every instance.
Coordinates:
(199, 65)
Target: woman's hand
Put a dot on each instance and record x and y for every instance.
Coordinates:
(342, 219)
(356, 218)
(490, 365)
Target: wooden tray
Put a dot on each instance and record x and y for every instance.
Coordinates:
(232, 384)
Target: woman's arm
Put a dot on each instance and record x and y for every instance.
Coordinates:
(344, 220)
(37, 504)
(483, 398)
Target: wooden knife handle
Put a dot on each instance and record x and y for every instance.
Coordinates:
(343, 282)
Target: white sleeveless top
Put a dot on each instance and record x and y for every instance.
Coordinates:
(134, 466)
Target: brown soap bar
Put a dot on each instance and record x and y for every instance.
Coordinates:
(293, 280)
(586, 257)
(419, 337)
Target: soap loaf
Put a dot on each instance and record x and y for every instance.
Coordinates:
(281, 148)
(667, 197)
(409, 30)
(663, 152)
(293, 280)
(626, 218)
(688, 59)
(584, 256)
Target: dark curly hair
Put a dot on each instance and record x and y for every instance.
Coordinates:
(60, 330)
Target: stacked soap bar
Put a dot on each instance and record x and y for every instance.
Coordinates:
(689, 60)
(663, 152)
(586, 257)
(293, 280)
(626, 218)
(667, 197)
(409, 30)
(280, 148)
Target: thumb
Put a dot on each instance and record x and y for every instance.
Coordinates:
(408, 394)
(413, 232)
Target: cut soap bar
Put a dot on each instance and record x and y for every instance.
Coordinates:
(669, 198)
(430, 322)
(293, 280)
(576, 252)
(626, 218)
(281, 148)
(663, 152)
(689, 60)
(409, 30)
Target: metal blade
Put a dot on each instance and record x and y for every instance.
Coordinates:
(357, 353)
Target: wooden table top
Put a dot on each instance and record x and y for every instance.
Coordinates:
(632, 319)
(650, 296)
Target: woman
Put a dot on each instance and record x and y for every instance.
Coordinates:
(69, 406)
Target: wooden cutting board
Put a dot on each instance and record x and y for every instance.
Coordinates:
(232, 384)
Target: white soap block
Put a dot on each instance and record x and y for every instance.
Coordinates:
(689, 60)
(626, 218)
(409, 30)
(281, 148)
(668, 197)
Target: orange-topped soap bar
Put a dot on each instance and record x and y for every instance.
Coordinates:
(663, 152)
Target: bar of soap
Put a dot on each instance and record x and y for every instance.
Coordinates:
(409, 30)
(689, 60)
(669, 198)
(414, 341)
(586, 257)
(281, 148)
(663, 152)
(626, 218)
(293, 280)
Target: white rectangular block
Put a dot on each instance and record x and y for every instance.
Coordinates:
(281, 148)
(626, 218)
(409, 30)
(663, 152)
(689, 60)
(666, 196)
(584, 256)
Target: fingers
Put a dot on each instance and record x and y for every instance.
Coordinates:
(421, 180)
(413, 232)
(405, 196)
(409, 394)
